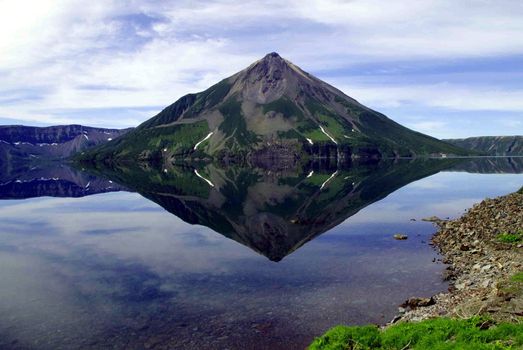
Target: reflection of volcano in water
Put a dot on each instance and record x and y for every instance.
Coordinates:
(51, 180)
(272, 213)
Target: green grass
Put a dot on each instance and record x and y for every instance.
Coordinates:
(234, 123)
(182, 135)
(284, 106)
(376, 132)
(170, 113)
(317, 179)
(434, 334)
(518, 277)
(512, 287)
(290, 134)
(316, 135)
(178, 139)
(333, 127)
(510, 237)
(208, 98)
(192, 105)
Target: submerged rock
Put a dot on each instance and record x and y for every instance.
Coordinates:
(400, 237)
(432, 219)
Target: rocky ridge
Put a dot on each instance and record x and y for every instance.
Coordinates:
(19, 142)
(492, 145)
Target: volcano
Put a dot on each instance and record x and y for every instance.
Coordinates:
(270, 109)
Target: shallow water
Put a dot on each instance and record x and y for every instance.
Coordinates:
(283, 262)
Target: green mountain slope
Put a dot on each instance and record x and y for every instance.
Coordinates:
(270, 103)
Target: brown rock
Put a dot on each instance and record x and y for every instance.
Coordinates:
(418, 302)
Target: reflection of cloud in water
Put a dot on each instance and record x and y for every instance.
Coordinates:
(91, 282)
(429, 183)
(163, 237)
(113, 231)
(60, 280)
(453, 208)
(36, 301)
(444, 195)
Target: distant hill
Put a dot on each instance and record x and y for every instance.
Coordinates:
(270, 109)
(492, 145)
(54, 142)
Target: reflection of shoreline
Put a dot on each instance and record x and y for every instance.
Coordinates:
(52, 179)
(491, 165)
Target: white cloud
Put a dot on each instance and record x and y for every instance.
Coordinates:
(37, 32)
(444, 95)
(55, 49)
(513, 123)
(429, 127)
(375, 29)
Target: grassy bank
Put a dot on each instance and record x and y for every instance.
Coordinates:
(434, 334)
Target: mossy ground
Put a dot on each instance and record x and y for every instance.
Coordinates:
(510, 237)
(511, 288)
(434, 334)
(518, 277)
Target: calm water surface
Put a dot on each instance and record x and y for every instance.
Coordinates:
(284, 261)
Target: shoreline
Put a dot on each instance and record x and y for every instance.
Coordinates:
(483, 307)
(481, 265)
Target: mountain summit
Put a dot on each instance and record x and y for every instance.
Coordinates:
(270, 109)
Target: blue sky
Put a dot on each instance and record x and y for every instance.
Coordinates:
(442, 67)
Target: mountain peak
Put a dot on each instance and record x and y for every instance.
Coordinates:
(267, 79)
(272, 54)
(272, 57)
(270, 63)
(272, 107)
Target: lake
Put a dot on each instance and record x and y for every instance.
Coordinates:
(222, 257)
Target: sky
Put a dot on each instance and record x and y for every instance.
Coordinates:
(443, 67)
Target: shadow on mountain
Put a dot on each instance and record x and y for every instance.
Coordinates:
(272, 212)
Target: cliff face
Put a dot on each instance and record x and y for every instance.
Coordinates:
(492, 145)
(54, 142)
(272, 104)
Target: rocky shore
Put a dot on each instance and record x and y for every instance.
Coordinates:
(484, 253)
